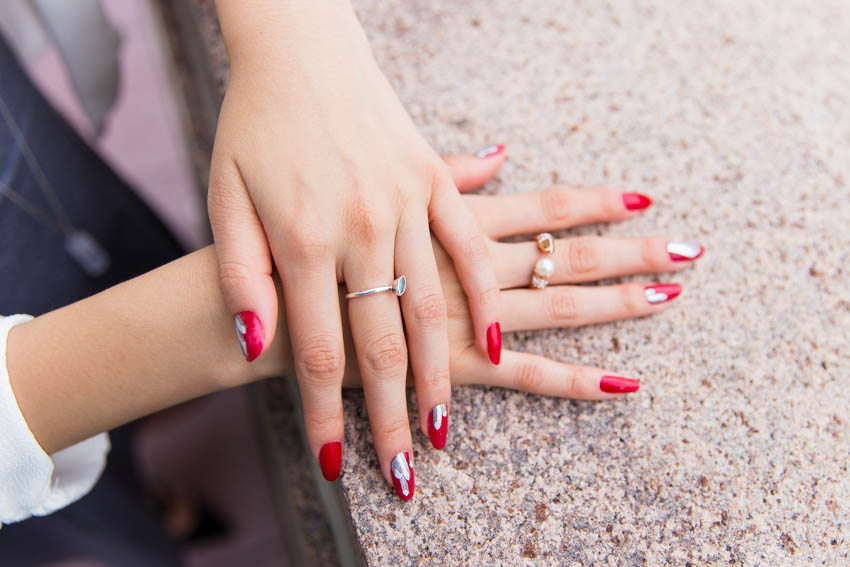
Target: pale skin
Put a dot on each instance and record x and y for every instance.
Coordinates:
(320, 176)
(164, 337)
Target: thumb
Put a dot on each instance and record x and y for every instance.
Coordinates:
(472, 171)
(244, 260)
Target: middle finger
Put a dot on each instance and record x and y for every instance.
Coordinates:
(381, 352)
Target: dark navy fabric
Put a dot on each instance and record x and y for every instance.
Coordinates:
(113, 524)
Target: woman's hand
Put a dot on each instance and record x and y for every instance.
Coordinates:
(318, 171)
(98, 363)
(576, 260)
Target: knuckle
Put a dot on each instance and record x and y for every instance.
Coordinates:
(583, 256)
(386, 356)
(322, 422)
(489, 295)
(555, 205)
(437, 381)
(321, 360)
(475, 250)
(364, 223)
(632, 301)
(562, 306)
(430, 310)
(529, 377)
(647, 253)
(233, 274)
(571, 383)
(307, 244)
(438, 173)
(396, 427)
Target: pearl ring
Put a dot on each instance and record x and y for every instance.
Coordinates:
(544, 267)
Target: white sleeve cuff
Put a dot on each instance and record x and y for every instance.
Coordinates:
(31, 482)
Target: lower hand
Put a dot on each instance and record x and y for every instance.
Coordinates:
(560, 304)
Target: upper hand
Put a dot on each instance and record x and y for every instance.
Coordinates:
(319, 172)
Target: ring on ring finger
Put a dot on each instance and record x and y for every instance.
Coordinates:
(544, 267)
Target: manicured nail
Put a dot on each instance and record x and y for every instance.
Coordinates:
(618, 385)
(636, 201)
(249, 331)
(402, 475)
(330, 460)
(684, 251)
(659, 293)
(490, 151)
(494, 342)
(438, 425)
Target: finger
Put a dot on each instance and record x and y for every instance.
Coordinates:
(590, 258)
(455, 227)
(574, 306)
(315, 330)
(425, 320)
(381, 352)
(539, 375)
(555, 208)
(469, 172)
(244, 260)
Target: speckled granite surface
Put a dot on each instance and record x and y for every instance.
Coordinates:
(734, 117)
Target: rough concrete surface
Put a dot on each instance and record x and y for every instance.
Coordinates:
(735, 117)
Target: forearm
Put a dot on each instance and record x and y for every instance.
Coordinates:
(142, 346)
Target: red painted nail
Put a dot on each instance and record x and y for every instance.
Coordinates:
(618, 385)
(661, 293)
(249, 331)
(330, 460)
(684, 251)
(438, 426)
(494, 342)
(402, 472)
(490, 151)
(636, 201)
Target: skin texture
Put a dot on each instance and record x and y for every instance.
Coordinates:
(111, 358)
(319, 175)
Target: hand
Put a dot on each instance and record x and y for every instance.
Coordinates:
(576, 260)
(318, 171)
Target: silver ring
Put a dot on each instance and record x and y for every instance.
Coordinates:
(398, 287)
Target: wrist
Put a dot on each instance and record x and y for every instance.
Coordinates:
(277, 31)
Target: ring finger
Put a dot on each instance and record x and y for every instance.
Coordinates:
(382, 357)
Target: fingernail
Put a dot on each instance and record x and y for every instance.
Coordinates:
(402, 472)
(249, 331)
(438, 425)
(330, 460)
(659, 293)
(618, 385)
(490, 151)
(684, 251)
(636, 201)
(494, 342)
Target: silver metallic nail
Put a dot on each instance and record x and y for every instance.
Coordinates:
(438, 413)
(401, 472)
(241, 329)
(487, 152)
(654, 296)
(687, 249)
